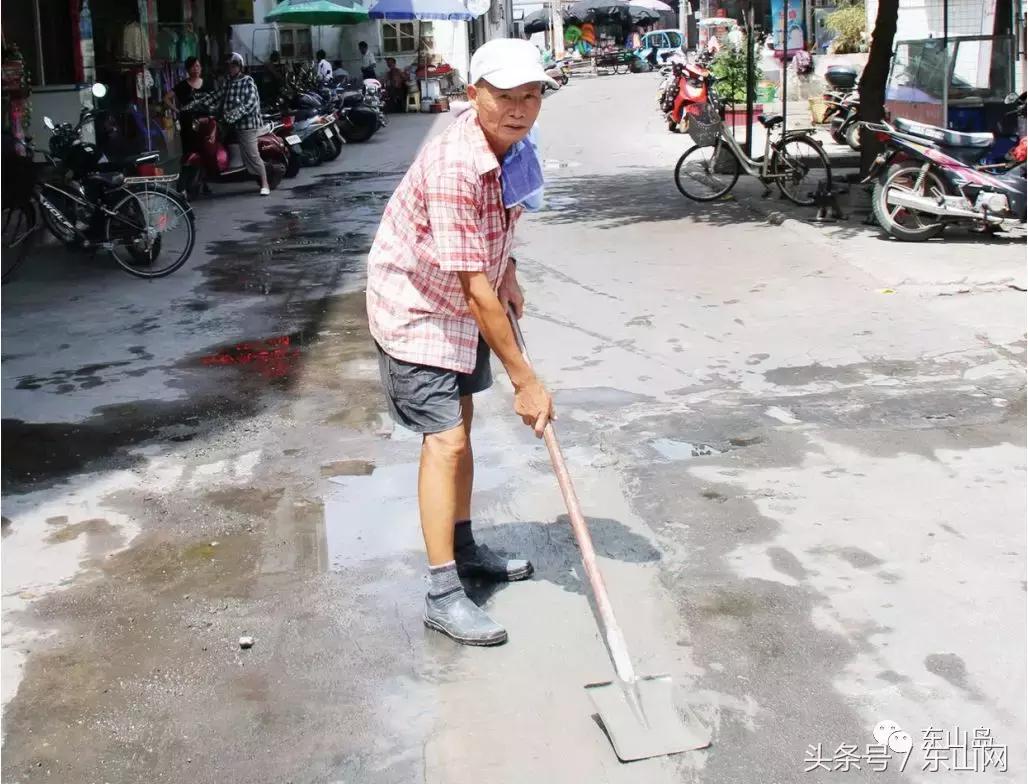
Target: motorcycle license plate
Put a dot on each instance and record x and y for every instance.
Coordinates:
(328, 131)
(294, 139)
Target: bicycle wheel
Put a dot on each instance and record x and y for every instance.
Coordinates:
(802, 167)
(707, 173)
(150, 233)
(18, 223)
(69, 209)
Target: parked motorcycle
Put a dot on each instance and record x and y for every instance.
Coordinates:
(842, 82)
(357, 122)
(845, 125)
(685, 94)
(282, 126)
(928, 180)
(212, 161)
(317, 126)
(88, 205)
(374, 98)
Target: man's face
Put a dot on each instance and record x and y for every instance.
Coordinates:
(195, 71)
(506, 116)
(363, 48)
(390, 63)
(234, 69)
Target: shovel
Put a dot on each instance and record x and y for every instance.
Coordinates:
(636, 711)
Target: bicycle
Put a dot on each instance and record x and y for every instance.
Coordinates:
(710, 169)
(138, 220)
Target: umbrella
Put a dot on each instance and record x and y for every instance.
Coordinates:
(447, 10)
(615, 10)
(654, 5)
(537, 21)
(317, 12)
(450, 10)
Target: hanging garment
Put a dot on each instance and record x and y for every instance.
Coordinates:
(134, 45)
(144, 73)
(187, 45)
(167, 44)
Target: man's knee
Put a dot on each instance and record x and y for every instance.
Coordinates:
(449, 446)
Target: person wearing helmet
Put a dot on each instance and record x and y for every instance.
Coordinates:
(440, 281)
(239, 104)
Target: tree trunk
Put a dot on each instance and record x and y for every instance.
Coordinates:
(874, 77)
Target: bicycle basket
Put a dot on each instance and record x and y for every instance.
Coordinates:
(704, 125)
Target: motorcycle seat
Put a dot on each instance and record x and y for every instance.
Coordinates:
(769, 120)
(107, 179)
(944, 136)
(352, 99)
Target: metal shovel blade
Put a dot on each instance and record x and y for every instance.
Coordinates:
(641, 721)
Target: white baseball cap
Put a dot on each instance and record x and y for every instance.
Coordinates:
(507, 63)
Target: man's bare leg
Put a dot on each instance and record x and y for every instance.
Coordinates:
(472, 559)
(440, 488)
(466, 469)
(443, 490)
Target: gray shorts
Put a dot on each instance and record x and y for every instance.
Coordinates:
(426, 399)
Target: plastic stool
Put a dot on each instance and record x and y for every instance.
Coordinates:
(413, 102)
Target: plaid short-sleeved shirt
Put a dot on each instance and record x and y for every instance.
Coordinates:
(446, 216)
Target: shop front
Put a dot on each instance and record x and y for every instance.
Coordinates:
(138, 48)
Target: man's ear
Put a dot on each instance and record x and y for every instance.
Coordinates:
(473, 95)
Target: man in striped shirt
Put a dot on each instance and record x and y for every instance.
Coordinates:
(440, 280)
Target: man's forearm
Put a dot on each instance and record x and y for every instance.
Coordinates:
(495, 328)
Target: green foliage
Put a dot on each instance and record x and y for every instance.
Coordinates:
(849, 23)
(729, 67)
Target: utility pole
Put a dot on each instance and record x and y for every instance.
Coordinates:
(751, 75)
(557, 28)
(684, 9)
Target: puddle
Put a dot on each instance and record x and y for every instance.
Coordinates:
(683, 450)
(375, 515)
(296, 262)
(597, 397)
(348, 468)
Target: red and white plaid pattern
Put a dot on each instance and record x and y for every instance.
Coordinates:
(447, 216)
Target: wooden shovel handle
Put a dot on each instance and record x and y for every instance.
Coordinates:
(611, 630)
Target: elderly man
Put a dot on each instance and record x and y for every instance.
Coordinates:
(440, 280)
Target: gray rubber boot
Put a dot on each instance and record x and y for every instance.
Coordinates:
(460, 619)
(477, 560)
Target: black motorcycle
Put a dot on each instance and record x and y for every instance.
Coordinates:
(90, 205)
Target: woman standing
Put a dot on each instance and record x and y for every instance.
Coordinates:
(184, 93)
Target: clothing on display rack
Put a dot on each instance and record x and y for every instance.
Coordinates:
(167, 44)
(134, 44)
(187, 45)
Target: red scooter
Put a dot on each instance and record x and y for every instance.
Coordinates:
(212, 161)
(686, 95)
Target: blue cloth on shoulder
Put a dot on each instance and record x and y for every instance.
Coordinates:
(521, 174)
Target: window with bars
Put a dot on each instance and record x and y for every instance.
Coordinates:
(402, 37)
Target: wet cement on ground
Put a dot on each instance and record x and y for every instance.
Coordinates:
(807, 498)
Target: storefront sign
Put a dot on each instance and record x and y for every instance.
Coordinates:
(796, 27)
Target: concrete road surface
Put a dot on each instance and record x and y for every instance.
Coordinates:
(802, 455)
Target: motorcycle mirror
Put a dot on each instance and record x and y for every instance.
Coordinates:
(99, 90)
(1011, 98)
(48, 123)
